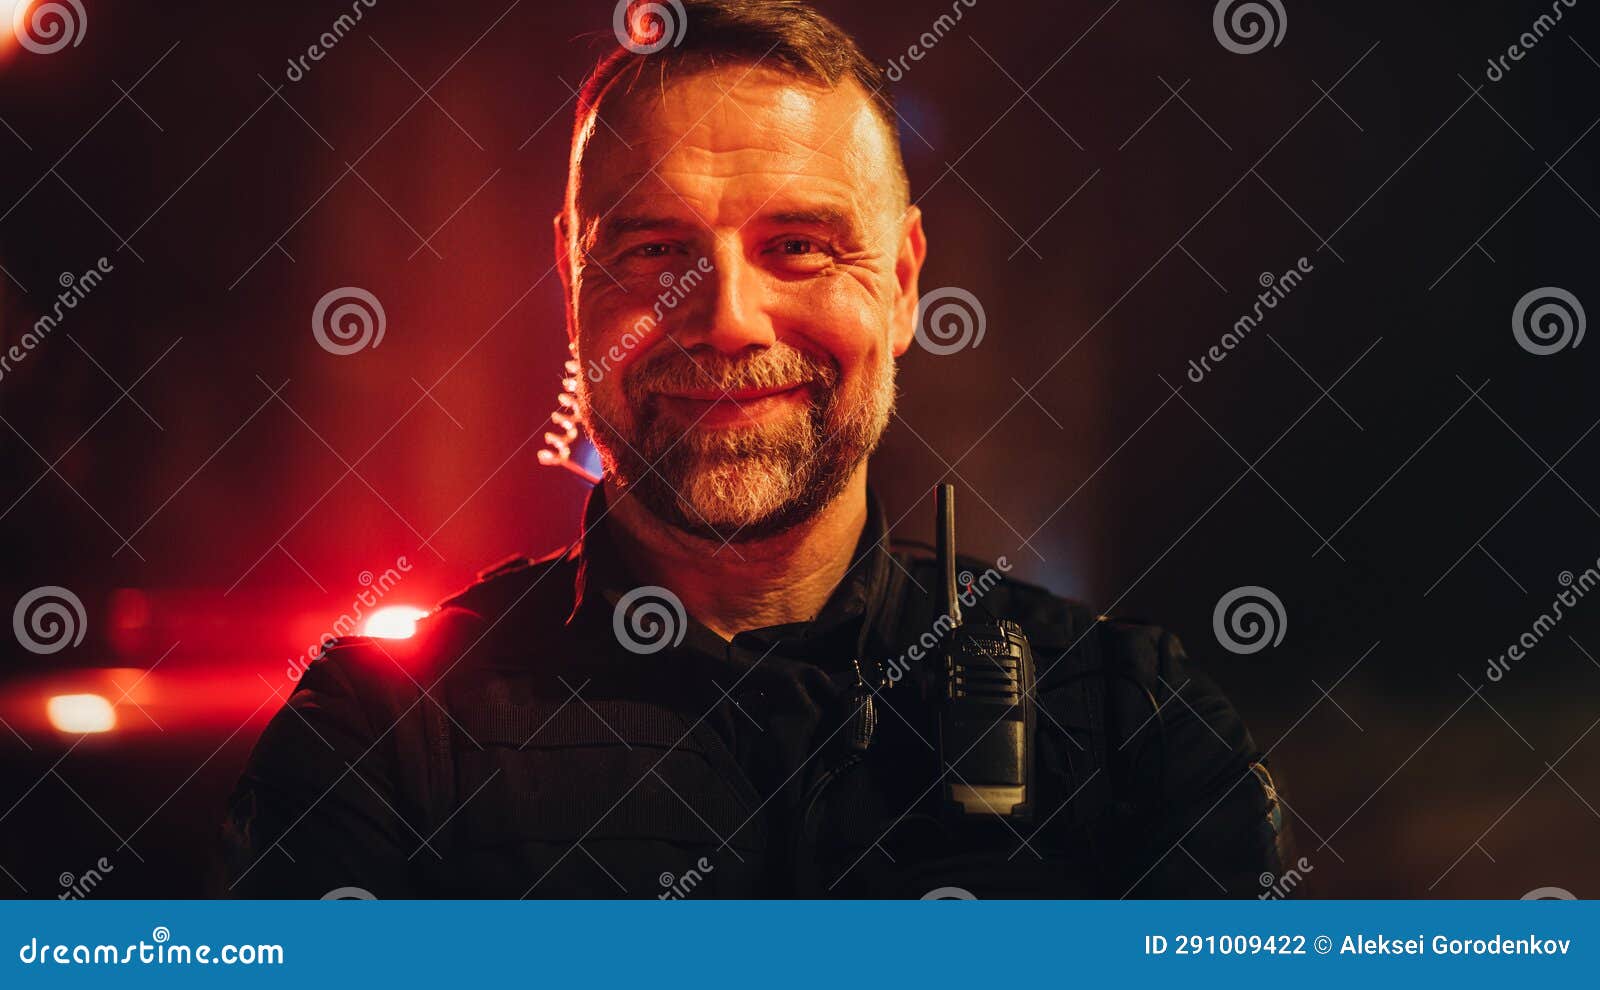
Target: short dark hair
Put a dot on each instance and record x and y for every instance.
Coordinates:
(788, 35)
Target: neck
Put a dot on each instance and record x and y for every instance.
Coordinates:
(781, 579)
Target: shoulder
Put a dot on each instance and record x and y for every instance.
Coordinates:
(469, 625)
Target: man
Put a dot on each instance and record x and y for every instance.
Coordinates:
(674, 706)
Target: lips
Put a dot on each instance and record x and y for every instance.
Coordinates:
(739, 395)
(736, 408)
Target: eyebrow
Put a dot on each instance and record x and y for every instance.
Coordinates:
(618, 226)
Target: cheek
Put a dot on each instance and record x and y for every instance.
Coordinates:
(836, 318)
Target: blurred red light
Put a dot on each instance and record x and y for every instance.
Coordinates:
(81, 713)
(393, 622)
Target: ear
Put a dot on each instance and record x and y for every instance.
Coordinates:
(564, 266)
(907, 269)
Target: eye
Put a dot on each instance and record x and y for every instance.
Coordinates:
(654, 250)
(799, 245)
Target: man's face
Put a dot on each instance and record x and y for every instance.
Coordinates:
(741, 272)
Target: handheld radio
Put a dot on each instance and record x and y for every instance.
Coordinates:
(986, 709)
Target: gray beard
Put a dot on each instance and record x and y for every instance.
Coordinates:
(743, 485)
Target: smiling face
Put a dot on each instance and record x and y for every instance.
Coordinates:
(741, 272)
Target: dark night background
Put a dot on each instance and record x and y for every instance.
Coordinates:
(1414, 524)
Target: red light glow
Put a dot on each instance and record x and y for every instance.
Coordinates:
(393, 622)
(81, 714)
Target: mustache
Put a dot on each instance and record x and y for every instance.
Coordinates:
(677, 370)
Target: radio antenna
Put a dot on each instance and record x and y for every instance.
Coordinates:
(945, 549)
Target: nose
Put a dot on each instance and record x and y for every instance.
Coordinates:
(728, 310)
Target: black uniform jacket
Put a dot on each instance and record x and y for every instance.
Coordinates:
(557, 731)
